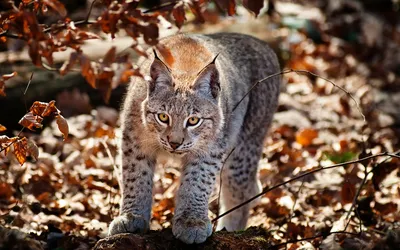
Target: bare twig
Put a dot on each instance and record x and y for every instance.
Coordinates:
(162, 6)
(258, 82)
(300, 72)
(266, 190)
(311, 238)
(220, 185)
(29, 83)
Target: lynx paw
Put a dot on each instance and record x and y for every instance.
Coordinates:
(192, 230)
(128, 223)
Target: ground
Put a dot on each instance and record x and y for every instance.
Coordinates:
(68, 196)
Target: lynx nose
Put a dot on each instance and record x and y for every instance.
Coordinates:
(174, 145)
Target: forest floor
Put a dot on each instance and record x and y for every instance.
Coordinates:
(67, 198)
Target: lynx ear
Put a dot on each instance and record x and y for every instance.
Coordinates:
(160, 74)
(207, 80)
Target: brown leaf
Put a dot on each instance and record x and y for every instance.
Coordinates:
(33, 51)
(87, 71)
(2, 128)
(50, 109)
(44, 198)
(228, 5)
(126, 75)
(150, 33)
(385, 208)
(348, 192)
(179, 14)
(57, 6)
(33, 150)
(62, 126)
(305, 136)
(6, 190)
(31, 121)
(196, 10)
(104, 86)
(67, 66)
(37, 107)
(254, 5)
(20, 149)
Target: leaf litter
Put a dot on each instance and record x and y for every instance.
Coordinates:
(68, 188)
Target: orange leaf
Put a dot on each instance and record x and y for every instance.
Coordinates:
(62, 126)
(179, 14)
(87, 71)
(31, 121)
(348, 192)
(44, 197)
(57, 6)
(33, 51)
(305, 136)
(33, 150)
(2, 128)
(196, 10)
(20, 149)
(6, 190)
(385, 208)
(228, 5)
(37, 108)
(50, 109)
(69, 63)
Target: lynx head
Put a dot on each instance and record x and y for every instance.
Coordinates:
(181, 109)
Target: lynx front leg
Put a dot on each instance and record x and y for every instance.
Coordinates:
(191, 223)
(136, 186)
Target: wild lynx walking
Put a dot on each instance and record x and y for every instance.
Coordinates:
(184, 111)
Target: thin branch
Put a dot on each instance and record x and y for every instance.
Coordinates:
(90, 10)
(311, 238)
(258, 82)
(29, 83)
(266, 190)
(162, 6)
(301, 72)
(220, 185)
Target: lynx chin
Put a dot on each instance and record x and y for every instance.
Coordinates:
(184, 110)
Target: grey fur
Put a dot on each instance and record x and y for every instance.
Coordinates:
(211, 93)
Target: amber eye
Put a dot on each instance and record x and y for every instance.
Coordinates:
(162, 117)
(193, 121)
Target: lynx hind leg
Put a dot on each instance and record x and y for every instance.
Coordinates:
(239, 183)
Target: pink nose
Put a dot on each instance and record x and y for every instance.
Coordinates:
(174, 145)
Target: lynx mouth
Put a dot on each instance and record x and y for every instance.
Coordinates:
(174, 152)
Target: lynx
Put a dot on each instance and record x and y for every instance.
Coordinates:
(184, 110)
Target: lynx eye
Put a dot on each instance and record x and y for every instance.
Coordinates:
(193, 121)
(162, 118)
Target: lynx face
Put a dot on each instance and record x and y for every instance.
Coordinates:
(182, 111)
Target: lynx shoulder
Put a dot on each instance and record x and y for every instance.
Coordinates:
(184, 109)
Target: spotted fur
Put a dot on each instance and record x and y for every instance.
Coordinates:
(200, 76)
